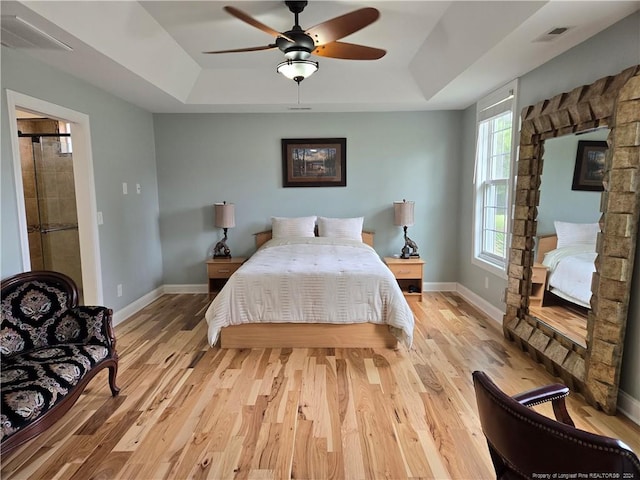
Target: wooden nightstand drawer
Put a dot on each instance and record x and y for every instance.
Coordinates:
(408, 274)
(221, 270)
(406, 271)
(539, 275)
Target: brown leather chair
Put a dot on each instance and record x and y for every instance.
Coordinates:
(525, 444)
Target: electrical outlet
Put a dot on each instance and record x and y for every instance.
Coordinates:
(124, 188)
(100, 219)
(119, 289)
(486, 282)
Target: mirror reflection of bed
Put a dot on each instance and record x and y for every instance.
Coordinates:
(566, 285)
(564, 274)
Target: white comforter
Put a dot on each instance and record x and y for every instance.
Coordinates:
(571, 271)
(312, 280)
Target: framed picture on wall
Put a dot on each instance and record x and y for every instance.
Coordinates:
(589, 170)
(314, 162)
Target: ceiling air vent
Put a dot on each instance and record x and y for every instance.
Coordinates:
(18, 33)
(552, 34)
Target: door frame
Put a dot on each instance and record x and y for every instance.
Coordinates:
(84, 185)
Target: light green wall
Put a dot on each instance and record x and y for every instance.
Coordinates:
(208, 158)
(123, 151)
(607, 53)
(557, 200)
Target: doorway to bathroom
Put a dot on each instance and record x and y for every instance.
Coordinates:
(58, 225)
(46, 157)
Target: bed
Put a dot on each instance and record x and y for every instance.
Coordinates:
(311, 291)
(569, 256)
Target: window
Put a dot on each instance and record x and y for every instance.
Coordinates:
(496, 133)
(65, 141)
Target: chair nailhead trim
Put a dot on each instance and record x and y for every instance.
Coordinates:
(623, 453)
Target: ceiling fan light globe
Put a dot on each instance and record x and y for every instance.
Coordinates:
(297, 70)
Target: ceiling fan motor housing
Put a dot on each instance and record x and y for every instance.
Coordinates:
(300, 48)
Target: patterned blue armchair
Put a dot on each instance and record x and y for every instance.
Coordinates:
(50, 348)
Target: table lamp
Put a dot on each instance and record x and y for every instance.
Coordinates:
(403, 217)
(224, 218)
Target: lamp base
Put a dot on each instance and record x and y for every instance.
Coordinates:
(410, 249)
(221, 250)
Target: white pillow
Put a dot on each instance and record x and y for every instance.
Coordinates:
(293, 227)
(341, 227)
(576, 233)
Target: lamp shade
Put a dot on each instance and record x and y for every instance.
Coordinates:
(403, 213)
(225, 215)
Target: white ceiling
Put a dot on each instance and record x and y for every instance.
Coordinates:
(440, 54)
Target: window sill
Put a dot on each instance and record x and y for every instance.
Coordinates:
(490, 267)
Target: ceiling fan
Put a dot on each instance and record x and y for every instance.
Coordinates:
(298, 44)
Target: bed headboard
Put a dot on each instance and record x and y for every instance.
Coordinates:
(265, 236)
(546, 243)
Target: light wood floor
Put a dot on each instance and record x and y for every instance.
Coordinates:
(572, 322)
(189, 411)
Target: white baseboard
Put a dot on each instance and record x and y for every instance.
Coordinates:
(629, 407)
(194, 288)
(439, 286)
(124, 313)
(134, 307)
(494, 313)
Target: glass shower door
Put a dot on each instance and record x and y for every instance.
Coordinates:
(51, 210)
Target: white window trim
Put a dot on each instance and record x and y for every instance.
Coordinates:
(483, 105)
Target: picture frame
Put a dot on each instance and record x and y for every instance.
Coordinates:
(314, 162)
(590, 163)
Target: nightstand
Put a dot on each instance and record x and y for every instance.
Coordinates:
(220, 269)
(538, 284)
(409, 274)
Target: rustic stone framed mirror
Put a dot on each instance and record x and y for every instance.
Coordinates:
(612, 102)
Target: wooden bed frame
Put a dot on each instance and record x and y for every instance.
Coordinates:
(307, 335)
(546, 243)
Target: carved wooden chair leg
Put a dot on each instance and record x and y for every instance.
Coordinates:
(113, 371)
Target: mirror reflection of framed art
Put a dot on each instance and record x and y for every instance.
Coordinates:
(589, 169)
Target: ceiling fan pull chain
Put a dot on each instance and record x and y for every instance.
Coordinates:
(298, 93)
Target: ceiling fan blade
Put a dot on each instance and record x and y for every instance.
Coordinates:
(239, 14)
(349, 51)
(340, 27)
(250, 49)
